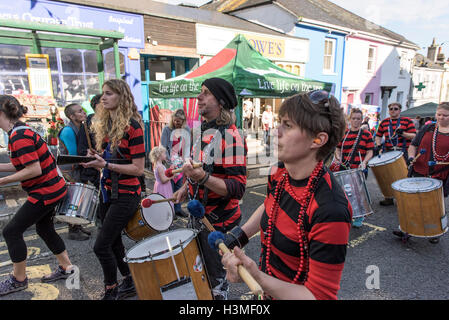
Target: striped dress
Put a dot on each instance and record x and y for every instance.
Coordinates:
(327, 225)
(27, 147)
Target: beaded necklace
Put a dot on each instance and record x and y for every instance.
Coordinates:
(434, 147)
(346, 163)
(304, 201)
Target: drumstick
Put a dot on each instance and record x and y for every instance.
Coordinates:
(422, 151)
(68, 159)
(216, 242)
(146, 203)
(434, 163)
(87, 135)
(170, 172)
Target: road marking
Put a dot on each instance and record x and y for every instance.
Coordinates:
(366, 235)
(258, 194)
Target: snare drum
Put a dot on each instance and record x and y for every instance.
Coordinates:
(353, 183)
(169, 266)
(79, 205)
(149, 221)
(388, 168)
(420, 206)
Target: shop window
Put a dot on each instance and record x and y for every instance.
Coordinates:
(297, 70)
(90, 61)
(12, 58)
(92, 85)
(74, 89)
(160, 65)
(52, 58)
(14, 83)
(72, 61)
(109, 65)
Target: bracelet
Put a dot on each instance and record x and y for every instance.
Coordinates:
(204, 180)
(106, 166)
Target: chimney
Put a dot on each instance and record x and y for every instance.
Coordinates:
(432, 51)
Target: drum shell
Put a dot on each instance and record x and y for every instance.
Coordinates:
(149, 275)
(420, 214)
(137, 229)
(353, 183)
(79, 206)
(388, 173)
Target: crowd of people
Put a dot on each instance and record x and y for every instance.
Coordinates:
(304, 220)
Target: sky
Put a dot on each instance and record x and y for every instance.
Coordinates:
(417, 20)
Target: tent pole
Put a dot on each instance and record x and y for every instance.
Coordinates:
(239, 112)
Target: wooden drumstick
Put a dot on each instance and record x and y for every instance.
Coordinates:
(170, 172)
(434, 163)
(89, 143)
(215, 240)
(146, 203)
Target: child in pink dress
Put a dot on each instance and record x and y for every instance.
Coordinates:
(162, 185)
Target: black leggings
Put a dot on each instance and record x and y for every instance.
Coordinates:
(109, 247)
(28, 215)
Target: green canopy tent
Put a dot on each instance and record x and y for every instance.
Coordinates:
(251, 74)
(424, 110)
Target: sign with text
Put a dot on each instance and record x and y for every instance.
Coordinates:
(272, 48)
(39, 74)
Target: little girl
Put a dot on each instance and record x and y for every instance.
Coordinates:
(162, 185)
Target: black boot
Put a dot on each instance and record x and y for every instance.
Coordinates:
(126, 288)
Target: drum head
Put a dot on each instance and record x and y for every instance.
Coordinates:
(416, 185)
(385, 158)
(156, 248)
(158, 216)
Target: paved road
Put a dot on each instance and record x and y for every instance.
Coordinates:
(413, 270)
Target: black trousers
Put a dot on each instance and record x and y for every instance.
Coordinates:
(29, 214)
(108, 247)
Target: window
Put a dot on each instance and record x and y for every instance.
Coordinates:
(329, 55)
(371, 59)
(368, 98)
(400, 97)
(403, 63)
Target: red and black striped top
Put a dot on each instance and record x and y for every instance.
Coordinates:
(327, 225)
(131, 147)
(27, 147)
(406, 124)
(365, 144)
(229, 165)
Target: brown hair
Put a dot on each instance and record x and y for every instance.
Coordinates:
(395, 104)
(444, 105)
(326, 116)
(12, 107)
(355, 110)
(180, 114)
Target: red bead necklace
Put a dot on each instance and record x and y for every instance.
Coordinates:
(437, 156)
(304, 201)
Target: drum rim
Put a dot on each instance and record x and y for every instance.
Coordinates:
(149, 256)
(370, 162)
(148, 223)
(395, 184)
(349, 171)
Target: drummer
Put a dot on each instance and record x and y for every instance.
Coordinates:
(304, 222)
(434, 139)
(33, 165)
(398, 133)
(355, 150)
(118, 130)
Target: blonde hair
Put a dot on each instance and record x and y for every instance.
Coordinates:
(102, 124)
(179, 114)
(156, 153)
(225, 117)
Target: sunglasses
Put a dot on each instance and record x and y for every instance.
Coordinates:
(321, 97)
(394, 109)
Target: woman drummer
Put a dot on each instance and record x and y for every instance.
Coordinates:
(433, 141)
(34, 166)
(118, 132)
(305, 219)
(355, 150)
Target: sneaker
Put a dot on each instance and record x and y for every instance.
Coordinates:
(398, 233)
(75, 233)
(126, 288)
(11, 285)
(83, 230)
(434, 240)
(59, 273)
(386, 202)
(110, 294)
(357, 222)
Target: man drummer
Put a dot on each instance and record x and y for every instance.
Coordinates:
(398, 133)
(221, 182)
(434, 139)
(355, 150)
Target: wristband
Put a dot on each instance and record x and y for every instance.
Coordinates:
(236, 238)
(204, 180)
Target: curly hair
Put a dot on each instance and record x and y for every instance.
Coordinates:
(313, 118)
(102, 123)
(156, 153)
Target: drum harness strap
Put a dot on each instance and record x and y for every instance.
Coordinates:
(109, 173)
(394, 139)
(347, 164)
